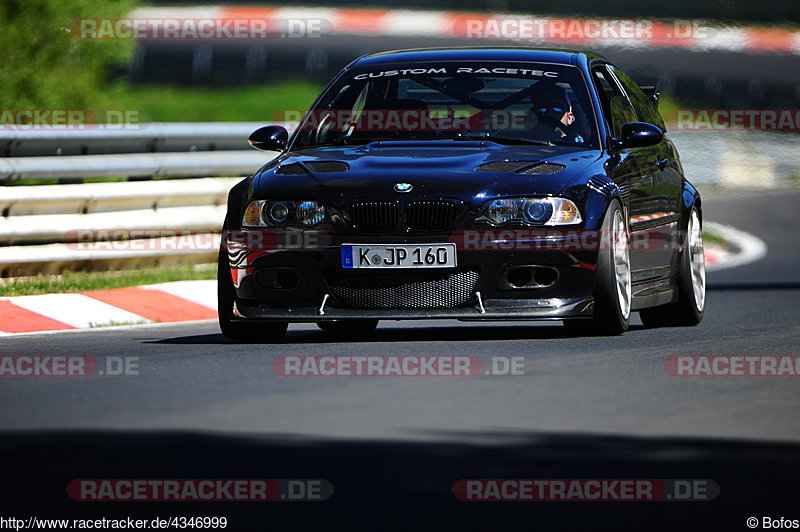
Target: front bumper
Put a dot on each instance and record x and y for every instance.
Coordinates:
(316, 293)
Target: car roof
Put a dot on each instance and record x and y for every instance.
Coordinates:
(515, 53)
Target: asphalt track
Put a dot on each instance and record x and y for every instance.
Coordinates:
(190, 377)
(606, 403)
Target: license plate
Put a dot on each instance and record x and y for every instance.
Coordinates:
(398, 256)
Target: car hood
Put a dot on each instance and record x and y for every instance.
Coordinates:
(433, 168)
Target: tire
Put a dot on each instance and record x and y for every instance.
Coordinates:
(261, 332)
(688, 310)
(355, 328)
(612, 292)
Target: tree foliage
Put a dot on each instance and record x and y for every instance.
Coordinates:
(44, 65)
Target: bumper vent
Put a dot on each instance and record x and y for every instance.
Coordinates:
(374, 215)
(430, 215)
(412, 290)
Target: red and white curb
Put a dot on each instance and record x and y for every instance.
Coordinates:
(414, 23)
(197, 300)
(648, 217)
(158, 303)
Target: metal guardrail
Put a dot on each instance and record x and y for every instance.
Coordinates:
(149, 150)
(48, 214)
(127, 138)
(739, 159)
(195, 164)
(38, 223)
(99, 226)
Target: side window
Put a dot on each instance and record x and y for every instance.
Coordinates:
(616, 107)
(646, 111)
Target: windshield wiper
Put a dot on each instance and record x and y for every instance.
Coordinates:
(349, 140)
(337, 142)
(358, 141)
(504, 140)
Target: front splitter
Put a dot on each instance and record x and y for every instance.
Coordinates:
(491, 310)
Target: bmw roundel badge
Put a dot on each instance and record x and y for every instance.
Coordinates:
(403, 187)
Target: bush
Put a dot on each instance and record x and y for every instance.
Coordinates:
(43, 66)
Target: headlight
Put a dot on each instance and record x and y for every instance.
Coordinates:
(252, 214)
(310, 212)
(535, 211)
(265, 213)
(276, 213)
(501, 211)
(564, 212)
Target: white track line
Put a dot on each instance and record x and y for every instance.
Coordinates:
(138, 326)
(750, 247)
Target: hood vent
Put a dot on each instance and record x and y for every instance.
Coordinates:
(319, 167)
(327, 166)
(521, 167)
(503, 166)
(291, 169)
(541, 169)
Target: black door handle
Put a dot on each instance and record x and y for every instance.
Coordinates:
(662, 164)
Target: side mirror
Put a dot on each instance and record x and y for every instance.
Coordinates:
(639, 135)
(269, 138)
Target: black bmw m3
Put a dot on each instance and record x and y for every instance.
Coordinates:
(470, 184)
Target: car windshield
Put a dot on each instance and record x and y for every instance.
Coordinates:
(508, 103)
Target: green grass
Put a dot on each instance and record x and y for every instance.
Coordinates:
(169, 103)
(668, 106)
(713, 238)
(85, 281)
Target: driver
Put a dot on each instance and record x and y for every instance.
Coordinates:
(552, 110)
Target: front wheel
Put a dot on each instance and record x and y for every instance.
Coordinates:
(237, 330)
(612, 293)
(688, 309)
